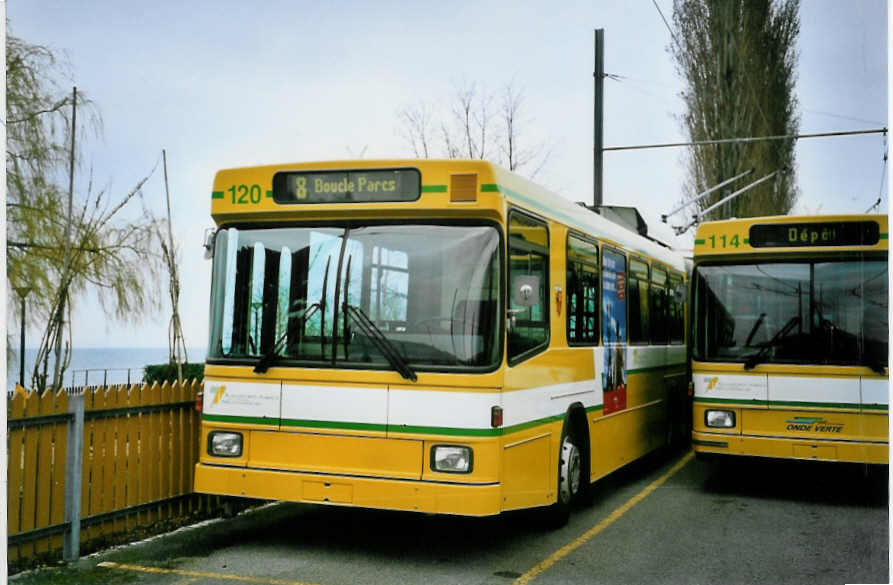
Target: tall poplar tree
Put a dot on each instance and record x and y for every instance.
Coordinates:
(738, 61)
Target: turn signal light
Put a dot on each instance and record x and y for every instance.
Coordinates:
(496, 416)
(199, 401)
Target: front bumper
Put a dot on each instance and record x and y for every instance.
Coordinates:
(342, 490)
(790, 448)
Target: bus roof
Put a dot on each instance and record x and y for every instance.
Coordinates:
(792, 233)
(246, 193)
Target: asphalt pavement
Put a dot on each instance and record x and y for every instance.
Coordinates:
(667, 519)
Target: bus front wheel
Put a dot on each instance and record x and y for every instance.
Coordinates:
(570, 481)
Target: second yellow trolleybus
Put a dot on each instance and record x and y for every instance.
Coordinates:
(790, 338)
(437, 336)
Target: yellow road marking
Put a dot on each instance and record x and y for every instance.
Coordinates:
(200, 574)
(534, 572)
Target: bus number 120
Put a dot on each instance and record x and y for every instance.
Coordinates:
(244, 194)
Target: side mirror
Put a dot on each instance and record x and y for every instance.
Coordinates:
(526, 291)
(208, 243)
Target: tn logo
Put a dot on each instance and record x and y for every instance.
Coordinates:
(711, 382)
(218, 393)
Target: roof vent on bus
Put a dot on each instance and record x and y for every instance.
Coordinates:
(463, 187)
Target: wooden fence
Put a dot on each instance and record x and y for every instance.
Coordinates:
(134, 456)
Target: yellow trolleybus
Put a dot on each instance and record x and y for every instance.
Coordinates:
(437, 336)
(789, 338)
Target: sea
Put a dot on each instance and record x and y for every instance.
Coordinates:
(95, 365)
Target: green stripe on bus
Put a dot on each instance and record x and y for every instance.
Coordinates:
(883, 236)
(534, 204)
(793, 404)
(654, 368)
(216, 194)
(321, 424)
(747, 241)
(403, 429)
(248, 420)
(270, 194)
(699, 242)
(434, 188)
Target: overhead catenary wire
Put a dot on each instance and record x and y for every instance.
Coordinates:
(748, 139)
(842, 116)
(880, 194)
(667, 24)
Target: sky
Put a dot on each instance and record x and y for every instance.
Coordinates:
(222, 84)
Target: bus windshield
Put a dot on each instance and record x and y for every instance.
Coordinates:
(812, 312)
(356, 296)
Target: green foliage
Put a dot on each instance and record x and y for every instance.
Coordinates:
(168, 372)
(59, 257)
(738, 61)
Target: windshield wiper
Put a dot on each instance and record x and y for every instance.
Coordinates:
(753, 331)
(266, 360)
(751, 362)
(384, 345)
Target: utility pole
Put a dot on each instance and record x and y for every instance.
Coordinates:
(63, 288)
(177, 341)
(23, 292)
(598, 117)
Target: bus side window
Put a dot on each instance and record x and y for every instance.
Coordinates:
(660, 323)
(582, 291)
(528, 323)
(677, 309)
(639, 315)
(613, 297)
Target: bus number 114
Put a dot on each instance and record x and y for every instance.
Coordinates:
(724, 241)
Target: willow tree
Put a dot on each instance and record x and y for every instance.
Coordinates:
(110, 248)
(737, 59)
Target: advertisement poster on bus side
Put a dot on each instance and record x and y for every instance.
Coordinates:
(614, 332)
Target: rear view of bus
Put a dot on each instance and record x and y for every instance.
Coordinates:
(789, 339)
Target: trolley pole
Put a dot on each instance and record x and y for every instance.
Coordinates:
(598, 117)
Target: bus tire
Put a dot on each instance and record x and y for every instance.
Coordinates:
(570, 481)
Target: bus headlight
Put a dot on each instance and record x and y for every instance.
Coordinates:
(224, 444)
(451, 459)
(721, 419)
